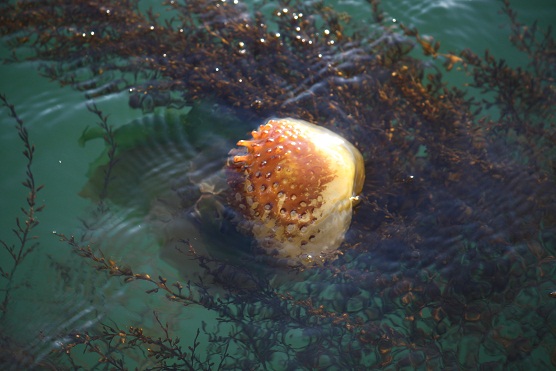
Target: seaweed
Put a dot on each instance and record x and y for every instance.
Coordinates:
(26, 242)
(113, 344)
(452, 243)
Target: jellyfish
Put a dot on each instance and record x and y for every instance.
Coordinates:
(294, 186)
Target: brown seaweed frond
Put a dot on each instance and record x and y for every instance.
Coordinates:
(522, 99)
(185, 294)
(537, 43)
(112, 346)
(112, 147)
(431, 48)
(523, 93)
(378, 14)
(26, 241)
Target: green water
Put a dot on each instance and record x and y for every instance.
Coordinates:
(61, 293)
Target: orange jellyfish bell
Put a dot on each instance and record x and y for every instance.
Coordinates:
(295, 184)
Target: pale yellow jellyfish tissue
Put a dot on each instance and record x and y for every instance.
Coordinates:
(295, 185)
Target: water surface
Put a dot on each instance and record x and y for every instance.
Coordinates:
(447, 264)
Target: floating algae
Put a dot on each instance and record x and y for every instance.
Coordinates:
(449, 261)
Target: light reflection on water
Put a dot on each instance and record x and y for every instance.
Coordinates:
(154, 205)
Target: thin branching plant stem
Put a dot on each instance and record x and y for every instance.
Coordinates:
(165, 352)
(26, 242)
(112, 148)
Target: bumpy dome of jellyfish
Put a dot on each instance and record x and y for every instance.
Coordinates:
(295, 184)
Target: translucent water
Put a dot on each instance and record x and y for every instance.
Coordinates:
(472, 292)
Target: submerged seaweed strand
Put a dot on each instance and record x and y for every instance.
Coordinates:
(112, 145)
(167, 351)
(26, 242)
